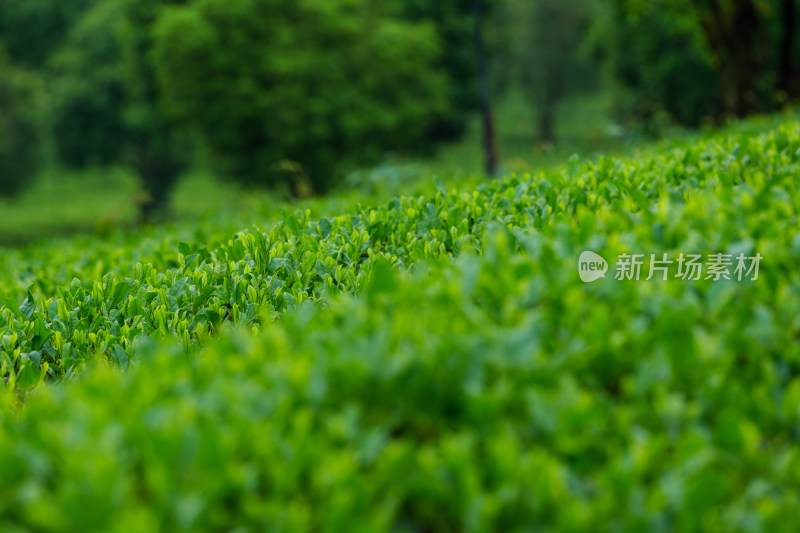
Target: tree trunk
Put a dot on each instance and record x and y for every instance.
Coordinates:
(552, 91)
(154, 197)
(158, 173)
(546, 125)
(489, 148)
(787, 80)
(732, 35)
(744, 38)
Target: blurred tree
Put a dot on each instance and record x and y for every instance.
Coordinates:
(20, 103)
(454, 21)
(159, 149)
(487, 118)
(697, 59)
(89, 90)
(655, 49)
(106, 103)
(31, 30)
(788, 73)
(291, 90)
(735, 34)
(546, 58)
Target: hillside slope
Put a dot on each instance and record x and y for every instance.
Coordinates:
(434, 364)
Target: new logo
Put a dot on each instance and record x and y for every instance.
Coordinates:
(591, 267)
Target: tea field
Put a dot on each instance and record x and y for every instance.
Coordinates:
(426, 362)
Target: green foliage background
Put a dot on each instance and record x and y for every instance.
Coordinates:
(297, 95)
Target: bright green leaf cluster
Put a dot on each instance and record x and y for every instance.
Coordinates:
(257, 274)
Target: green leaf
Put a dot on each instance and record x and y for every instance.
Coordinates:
(121, 292)
(28, 306)
(325, 228)
(40, 334)
(119, 356)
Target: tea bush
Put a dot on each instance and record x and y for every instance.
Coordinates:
(259, 273)
(434, 364)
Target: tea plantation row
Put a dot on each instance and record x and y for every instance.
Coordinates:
(256, 274)
(437, 365)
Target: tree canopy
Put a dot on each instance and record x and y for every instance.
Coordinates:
(297, 88)
(296, 93)
(20, 126)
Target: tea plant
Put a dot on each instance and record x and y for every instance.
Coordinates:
(256, 275)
